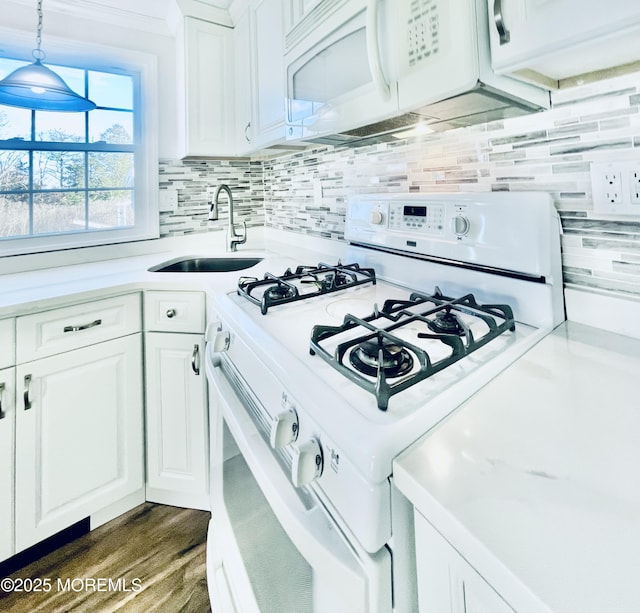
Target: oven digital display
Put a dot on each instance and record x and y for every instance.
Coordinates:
(415, 211)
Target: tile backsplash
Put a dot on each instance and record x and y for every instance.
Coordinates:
(194, 182)
(550, 151)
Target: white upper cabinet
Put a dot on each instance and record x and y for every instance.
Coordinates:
(259, 76)
(205, 71)
(551, 41)
(267, 53)
(243, 85)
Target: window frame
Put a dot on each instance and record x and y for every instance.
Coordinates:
(142, 67)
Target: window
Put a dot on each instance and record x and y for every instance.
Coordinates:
(76, 179)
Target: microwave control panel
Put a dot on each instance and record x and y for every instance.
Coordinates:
(423, 30)
(422, 218)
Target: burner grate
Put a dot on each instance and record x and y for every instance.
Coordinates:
(396, 314)
(317, 280)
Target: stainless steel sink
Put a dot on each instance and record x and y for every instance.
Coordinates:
(205, 264)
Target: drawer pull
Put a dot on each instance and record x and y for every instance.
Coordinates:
(195, 359)
(93, 324)
(2, 388)
(27, 400)
(171, 313)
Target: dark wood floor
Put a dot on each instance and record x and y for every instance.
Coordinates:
(154, 556)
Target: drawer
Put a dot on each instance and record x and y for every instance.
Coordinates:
(51, 332)
(7, 342)
(174, 311)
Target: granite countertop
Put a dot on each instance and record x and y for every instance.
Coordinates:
(535, 479)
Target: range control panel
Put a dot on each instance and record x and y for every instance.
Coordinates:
(489, 229)
(417, 218)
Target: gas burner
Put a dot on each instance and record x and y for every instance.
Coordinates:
(396, 360)
(383, 328)
(273, 290)
(279, 292)
(340, 279)
(446, 322)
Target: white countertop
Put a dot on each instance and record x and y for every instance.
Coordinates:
(536, 479)
(45, 287)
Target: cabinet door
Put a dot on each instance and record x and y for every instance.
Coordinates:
(446, 582)
(558, 38)
(267, 36)
(7, 427)
(177, 424)
(79, 435)
(205, 88)
(242, 58)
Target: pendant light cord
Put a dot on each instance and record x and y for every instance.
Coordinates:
(37, 53)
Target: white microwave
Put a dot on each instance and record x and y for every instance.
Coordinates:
(385, 64)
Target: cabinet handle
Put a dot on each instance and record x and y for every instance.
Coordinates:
(27, 400)
(246, 132)
(2, 388)
(498, 17)
(171, 313)
(195, 359)
(93, 324)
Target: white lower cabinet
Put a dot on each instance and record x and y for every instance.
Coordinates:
(79, 435)
(7, 428)
(177, 430)
(177, 426)
(447, 583)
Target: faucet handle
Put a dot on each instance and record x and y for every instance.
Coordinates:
(243, 236)
(237, 239)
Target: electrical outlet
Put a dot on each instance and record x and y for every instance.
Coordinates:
(616, 187)
(613, 187)
(634, 184)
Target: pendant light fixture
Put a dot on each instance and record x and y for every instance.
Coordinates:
(37, 87)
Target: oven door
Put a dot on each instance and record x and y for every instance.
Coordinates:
(271, 546)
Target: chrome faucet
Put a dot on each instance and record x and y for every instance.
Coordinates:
(233, 239)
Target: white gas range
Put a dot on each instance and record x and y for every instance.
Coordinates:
(323, 373)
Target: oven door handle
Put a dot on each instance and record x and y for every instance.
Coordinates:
(320, 541)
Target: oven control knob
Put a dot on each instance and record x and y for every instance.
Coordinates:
(461, 225)
(307, 462)
(284, 429)
(376, 218)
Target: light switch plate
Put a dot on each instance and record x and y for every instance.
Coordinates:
(167, 199)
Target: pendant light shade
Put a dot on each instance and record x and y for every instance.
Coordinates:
(37, 87)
